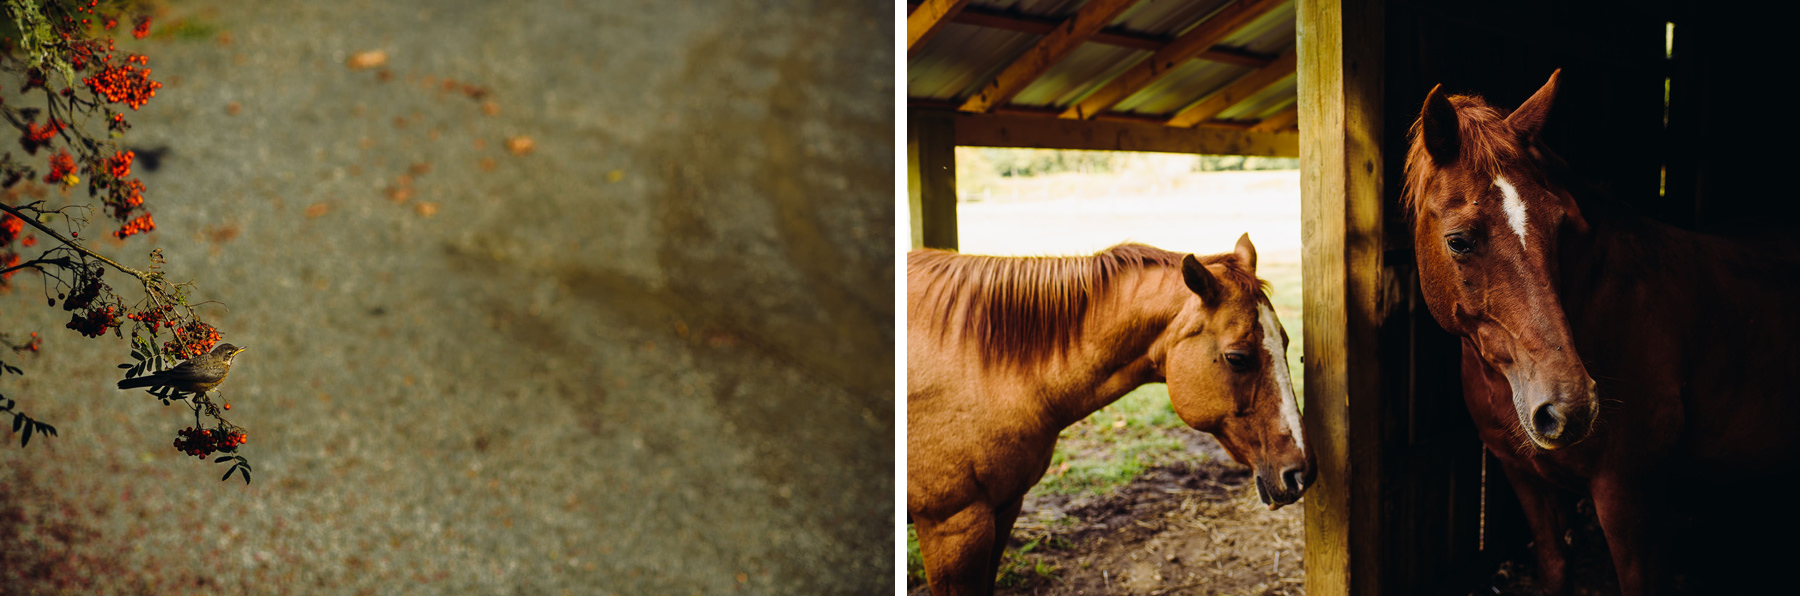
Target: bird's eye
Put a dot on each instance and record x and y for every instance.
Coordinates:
(1239, 361)
(1460, 244)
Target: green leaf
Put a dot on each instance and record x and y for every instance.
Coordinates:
(18, 421)
(125, 366)
(47, 429)
(135, 354)
(227, 475)
(27, 438)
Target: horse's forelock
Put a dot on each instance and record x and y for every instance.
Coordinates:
(1486, 145)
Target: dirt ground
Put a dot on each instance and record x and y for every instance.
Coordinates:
(1194, 527)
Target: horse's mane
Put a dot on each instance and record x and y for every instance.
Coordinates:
(1485, 142)
(1022, 310)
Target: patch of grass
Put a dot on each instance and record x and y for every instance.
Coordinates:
(1111, 447)
(1016, 569)
(915, 561)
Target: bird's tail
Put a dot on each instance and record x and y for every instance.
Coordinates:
(143, 381)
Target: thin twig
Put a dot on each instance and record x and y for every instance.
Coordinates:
(147, 278)
(60, 261)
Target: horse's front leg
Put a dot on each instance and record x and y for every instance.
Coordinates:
(1004, 517)
(1628, 514)
(959, 551)
(1547, 510)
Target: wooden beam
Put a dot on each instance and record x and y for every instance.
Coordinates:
(931, 178)
(1112, 36)
(1281, 120)
(1237, 91)
(1341, 193)
(992, 130)
(1223, 23)
(1050, 50)
(925, 20)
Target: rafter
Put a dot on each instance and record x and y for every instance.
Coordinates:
(1237, 91)
(1112, 36)
(1191, 44)
(994, 130)
(1279, 121)
(927, 18)
(1048, 51)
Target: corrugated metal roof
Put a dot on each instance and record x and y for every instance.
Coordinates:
(972, 48)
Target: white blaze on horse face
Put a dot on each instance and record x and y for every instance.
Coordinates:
(1290, 405)
(1515, 208)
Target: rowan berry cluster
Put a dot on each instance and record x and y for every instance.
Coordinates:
(140, 224)
(207, 441)
(192, 339)
(9, 228)
(36, 136)
(96, 322)
(128, 82)
(153, 317)
(62, 168)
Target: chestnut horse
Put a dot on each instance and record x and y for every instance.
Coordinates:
(1004, 353)
(1552, 287)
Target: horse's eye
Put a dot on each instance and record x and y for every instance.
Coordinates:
(1460, 244)
(1239, 362)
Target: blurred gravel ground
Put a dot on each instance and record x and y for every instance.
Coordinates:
(652, 355)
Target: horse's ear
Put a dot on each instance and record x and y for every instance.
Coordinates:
(1530, 117)
(1200, 280)
(1438, 121)
(1246, 252)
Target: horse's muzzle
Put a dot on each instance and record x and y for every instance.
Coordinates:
(1292, 482)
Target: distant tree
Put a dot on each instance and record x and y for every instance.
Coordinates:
(69, 111)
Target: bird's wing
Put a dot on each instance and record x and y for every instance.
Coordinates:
(185, 371)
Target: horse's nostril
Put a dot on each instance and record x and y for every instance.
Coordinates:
(1293, 478)
(1549, 421)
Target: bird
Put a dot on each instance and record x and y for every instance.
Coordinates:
(199, 374)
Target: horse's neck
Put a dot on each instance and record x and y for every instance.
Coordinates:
(1113, 356)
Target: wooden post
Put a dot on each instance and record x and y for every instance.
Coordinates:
(1340, 87)
(931, 178)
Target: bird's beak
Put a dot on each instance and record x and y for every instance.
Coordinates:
(241, 348)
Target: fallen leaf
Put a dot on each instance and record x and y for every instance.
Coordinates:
(520, 145)
(317, 209)
(490, 108)
(426, 208)
(615, 175)
(233, 108)
(420, 169)
(369, 59)
(399, 194)
(487, 164)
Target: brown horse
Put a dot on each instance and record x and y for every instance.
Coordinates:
(1553, 287)
(1004, 353)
